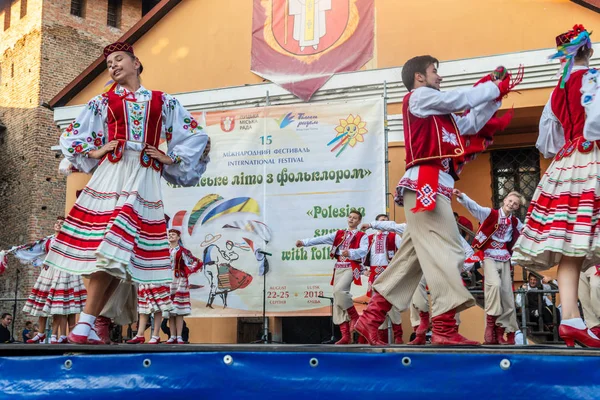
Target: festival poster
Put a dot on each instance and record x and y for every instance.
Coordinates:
(278, 174)
(300, 44)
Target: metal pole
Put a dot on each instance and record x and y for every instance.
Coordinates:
(12, 329)
(265, 319)
(387, 161)
(524, 319)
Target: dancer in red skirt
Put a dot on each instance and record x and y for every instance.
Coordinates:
(55, 293)
(561, 223)
(184, 264)
(116, 230)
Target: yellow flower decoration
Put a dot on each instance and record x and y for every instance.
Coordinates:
(352, 127)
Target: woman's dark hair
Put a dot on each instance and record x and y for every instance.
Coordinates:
(583, 53)
(416, 65)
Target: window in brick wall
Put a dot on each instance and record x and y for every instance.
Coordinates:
(7, 14)
(515, 169)
(114, 13)
(23, 8)
(78, 8)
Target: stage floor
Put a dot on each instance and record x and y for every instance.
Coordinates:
(290, 372)
(11, 350)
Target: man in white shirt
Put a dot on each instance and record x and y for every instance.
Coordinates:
(498, 231)
(348, 248)
(435, 149)
(382, 248)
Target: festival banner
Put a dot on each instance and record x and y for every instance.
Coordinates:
(300, 44)
(277, 175)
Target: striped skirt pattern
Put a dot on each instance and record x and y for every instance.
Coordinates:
(56, 293)
(154, 298)
(180, 296)
(117, 225)
(564, 211)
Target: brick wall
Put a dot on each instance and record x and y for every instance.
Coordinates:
(39, 55)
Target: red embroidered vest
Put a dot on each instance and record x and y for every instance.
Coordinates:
(179, 267)
(489, 227)
(118, 126)
(354, 244)
(431, 139)
(566, 105)
(390, 247)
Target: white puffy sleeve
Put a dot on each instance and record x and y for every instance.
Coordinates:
(591, 104)
(33, 253)
(552, 137)
(88, 132)
(186, 141)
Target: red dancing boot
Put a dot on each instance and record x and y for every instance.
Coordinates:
(580, 336)
(596, 330)
(102, 328)
(353, 314)
(444, 332)
(362, 340)
(137, 340)
(345, 329)
(398, 333)
(420, 338)
(499, 333)
(372, 318)
(382, 335)
(510, 338)
(490, 337)
(421, 330)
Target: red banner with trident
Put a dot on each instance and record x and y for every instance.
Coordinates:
(300, 44)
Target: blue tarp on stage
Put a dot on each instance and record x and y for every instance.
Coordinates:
(302, 375)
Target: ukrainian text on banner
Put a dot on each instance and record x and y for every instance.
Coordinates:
(278, 174)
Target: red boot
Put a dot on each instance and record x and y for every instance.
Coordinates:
(361, 340)
(382, 335)
(398, 333)
(580, 336)
(345, 329)
(102, 327)
(596, 330)
(510, 337)
(421, 330)
(490, 336)
(373, 316)
(420, 338)
(444, 331)
(353, 314)
(499, 332)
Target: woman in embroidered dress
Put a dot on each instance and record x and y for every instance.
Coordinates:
(56, 293)
(560, 227)
(116, 230)
(183, 264)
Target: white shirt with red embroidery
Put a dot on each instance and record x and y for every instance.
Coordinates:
(355, 254)
(379, 252)
(425, 102)
(502, 235)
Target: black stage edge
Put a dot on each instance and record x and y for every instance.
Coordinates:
(26, 350)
